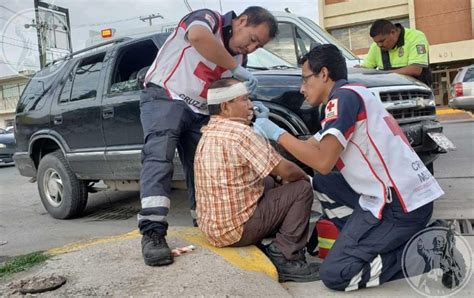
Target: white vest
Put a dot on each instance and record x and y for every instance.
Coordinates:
(379, 156)
(183, 72)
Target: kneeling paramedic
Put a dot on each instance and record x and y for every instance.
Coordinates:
(381, 195)
(238, 204)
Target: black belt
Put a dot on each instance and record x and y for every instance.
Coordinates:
(153, 85)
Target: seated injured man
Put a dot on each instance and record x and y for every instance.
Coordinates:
(238, 201)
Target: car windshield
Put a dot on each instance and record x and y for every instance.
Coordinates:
(347, 53)
(2, 131)
(264, 59)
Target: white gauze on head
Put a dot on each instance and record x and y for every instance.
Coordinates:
(220, 95)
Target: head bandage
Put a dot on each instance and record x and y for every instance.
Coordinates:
(220, 95)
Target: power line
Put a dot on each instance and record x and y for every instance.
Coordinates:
(14, 12)
(16, 39)
(20, 46)
(106, 23)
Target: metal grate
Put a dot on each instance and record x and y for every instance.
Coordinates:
(412, 112)
(404, 95)
(114, 213)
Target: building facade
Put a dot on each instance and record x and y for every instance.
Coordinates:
(447, 24)
(11, 88)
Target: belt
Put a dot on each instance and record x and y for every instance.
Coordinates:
(153, 85)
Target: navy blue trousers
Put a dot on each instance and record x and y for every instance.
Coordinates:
(368, 251)
(167, 125)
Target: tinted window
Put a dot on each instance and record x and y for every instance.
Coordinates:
(86, 79)
(66, 92)
(283, 44)
(304, 43)
(37, 87)
(469, 77)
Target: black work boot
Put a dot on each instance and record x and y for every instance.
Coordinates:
(292, 270)
(155, 250)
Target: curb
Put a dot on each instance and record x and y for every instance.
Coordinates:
(248, 258)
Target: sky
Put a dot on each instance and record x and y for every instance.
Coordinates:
(18, 45)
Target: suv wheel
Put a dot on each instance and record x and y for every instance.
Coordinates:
(62, 194)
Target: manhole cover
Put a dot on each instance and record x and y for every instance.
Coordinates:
(114, 213)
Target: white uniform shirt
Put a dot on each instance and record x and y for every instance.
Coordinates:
(376, 153)
(181, 70)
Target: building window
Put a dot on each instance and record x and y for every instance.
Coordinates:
(357, 37)
(10, 91)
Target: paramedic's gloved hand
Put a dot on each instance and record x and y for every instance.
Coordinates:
(260, 110)
(241, 74)
(267, 129)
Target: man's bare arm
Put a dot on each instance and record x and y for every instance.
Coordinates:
(289, 171)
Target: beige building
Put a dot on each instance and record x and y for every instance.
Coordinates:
(11, 88)
(448, 25)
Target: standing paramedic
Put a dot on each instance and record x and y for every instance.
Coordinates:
(381, 195)
(205, 47)
(400, 50)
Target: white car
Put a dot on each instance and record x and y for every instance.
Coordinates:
(462, 89)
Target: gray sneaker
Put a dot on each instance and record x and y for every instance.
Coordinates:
(155, 250)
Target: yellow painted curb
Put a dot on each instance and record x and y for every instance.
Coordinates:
(451, 111)
(248, 258)
(88, 243)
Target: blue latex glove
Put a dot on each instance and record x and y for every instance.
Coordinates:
(241, 74)
(261, 110)
(267, 129)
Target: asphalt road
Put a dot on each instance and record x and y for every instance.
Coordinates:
(25, 226)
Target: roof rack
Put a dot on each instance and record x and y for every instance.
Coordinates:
(69, 56)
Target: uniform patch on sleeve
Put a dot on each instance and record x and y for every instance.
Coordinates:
(331, 110)
(211, 20)
(420, 49)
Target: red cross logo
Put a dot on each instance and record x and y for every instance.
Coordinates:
(208, 75)
(330, 106)
(396, 130)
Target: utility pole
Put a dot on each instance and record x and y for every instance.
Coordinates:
(44, 26)
(151, 17)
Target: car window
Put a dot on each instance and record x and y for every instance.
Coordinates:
(329, 38)
(264, 59)
(33, 94)
(130, 60)
(283, 44)
(304, 43)
(86, 78)
(469, 77)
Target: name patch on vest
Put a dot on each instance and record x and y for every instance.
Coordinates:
(331, 110)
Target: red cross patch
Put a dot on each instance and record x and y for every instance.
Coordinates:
(331, 110)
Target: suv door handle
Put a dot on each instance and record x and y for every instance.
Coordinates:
(58, 120)
(108, 113)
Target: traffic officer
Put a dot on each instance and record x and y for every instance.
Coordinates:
(381, 195)
(400, 50)
(204, 47)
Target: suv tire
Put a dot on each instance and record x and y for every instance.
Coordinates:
(62, 194)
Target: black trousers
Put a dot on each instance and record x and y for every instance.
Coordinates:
(368, 251)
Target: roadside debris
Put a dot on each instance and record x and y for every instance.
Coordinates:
(38, 284)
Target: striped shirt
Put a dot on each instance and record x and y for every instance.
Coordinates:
(230, 164)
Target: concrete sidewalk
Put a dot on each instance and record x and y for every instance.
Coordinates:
(114, 266)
